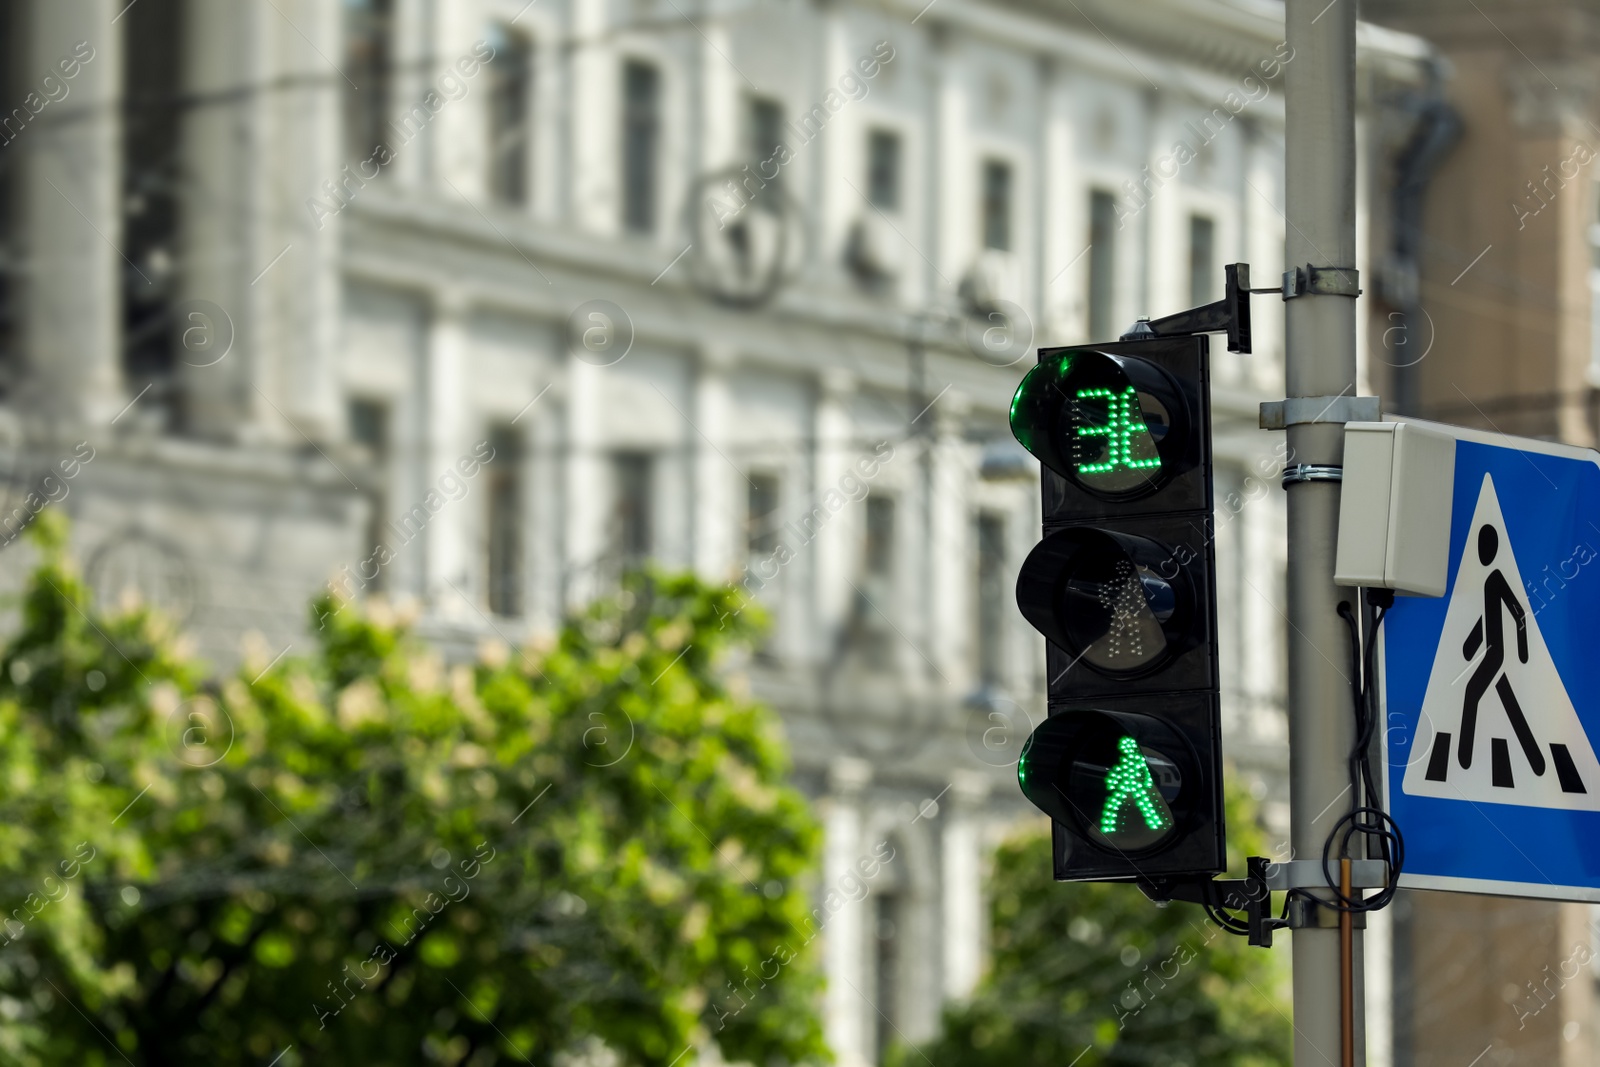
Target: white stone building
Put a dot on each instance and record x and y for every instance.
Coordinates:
(284, 261)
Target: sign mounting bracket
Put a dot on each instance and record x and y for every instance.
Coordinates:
(1230, 315)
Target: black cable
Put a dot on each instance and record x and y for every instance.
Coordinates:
(1356, 691)
(1366, 815)
(1219, 915)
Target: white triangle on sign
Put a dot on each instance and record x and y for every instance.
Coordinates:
(1524, 744)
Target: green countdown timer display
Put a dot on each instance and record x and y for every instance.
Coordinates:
(1101, 420)
(1118, 417)
(1113, 448)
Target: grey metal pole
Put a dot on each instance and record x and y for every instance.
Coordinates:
(1320, 199)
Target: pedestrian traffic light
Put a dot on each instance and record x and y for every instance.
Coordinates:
(1128, 763)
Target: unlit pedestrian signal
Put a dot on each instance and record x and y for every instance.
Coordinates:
(1497, 720)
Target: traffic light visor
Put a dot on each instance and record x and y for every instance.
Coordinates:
(1116, 779)
(1113, 425)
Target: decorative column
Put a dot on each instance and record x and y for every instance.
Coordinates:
(295, 276)
(588, 483)
(452, 583)
(1060, 208)
(212, 312)
(1164, 225)
(594, 124)
(833, 562)
(259, 200)
(716, 485)
(837, 204)
(70, 217)
(460, 142)
(547, 504)
(963, 883)
(948, 579)
(953, 226)
(717, 142)
(845, 1010)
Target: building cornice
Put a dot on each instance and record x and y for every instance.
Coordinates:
(1227, 38)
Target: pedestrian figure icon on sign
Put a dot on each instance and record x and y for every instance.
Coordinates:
(1529, 703)
(1490, 632)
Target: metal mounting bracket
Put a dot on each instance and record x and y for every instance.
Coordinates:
(1308, 410)
(1306, 912)
(1308, 874)
(1249, 894)
(1311, 472)
(1321, 281)
(1230, 315)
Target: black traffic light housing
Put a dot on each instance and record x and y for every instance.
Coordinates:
(1129, 763)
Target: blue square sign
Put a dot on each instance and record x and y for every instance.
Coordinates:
(1491, 693)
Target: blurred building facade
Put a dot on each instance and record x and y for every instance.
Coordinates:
(1488, 319)
(737, 287)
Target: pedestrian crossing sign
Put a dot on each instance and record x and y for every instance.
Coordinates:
(1491, 693)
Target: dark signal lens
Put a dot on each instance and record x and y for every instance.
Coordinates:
(1118, 603)
(1115, 610)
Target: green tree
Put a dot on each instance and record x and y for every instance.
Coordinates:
(1098, 976)
(377, 858)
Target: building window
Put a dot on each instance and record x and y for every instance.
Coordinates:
(761, 516)
(879, 550)
(871, 631)
(369, 428)
(368, 63)
(510, 114)
(1102, 265)
(992, 602)
(763, 135)
(504, 474)
(997, 205)
(888, 937)
(632, 504)
(151, 207)
(641, 144)
(883, 170)
(1202, 260)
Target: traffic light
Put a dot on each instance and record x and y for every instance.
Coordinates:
(1128, 762)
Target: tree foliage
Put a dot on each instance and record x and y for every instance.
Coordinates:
(1098, 976)
(374, 857)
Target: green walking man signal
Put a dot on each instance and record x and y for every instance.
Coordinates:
(1130, 780)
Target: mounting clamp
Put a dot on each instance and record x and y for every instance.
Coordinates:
(1307, 911)
(1321, 281)
(1311, 472)
(1250, 894)
(1308, 410)
(1309, 874)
